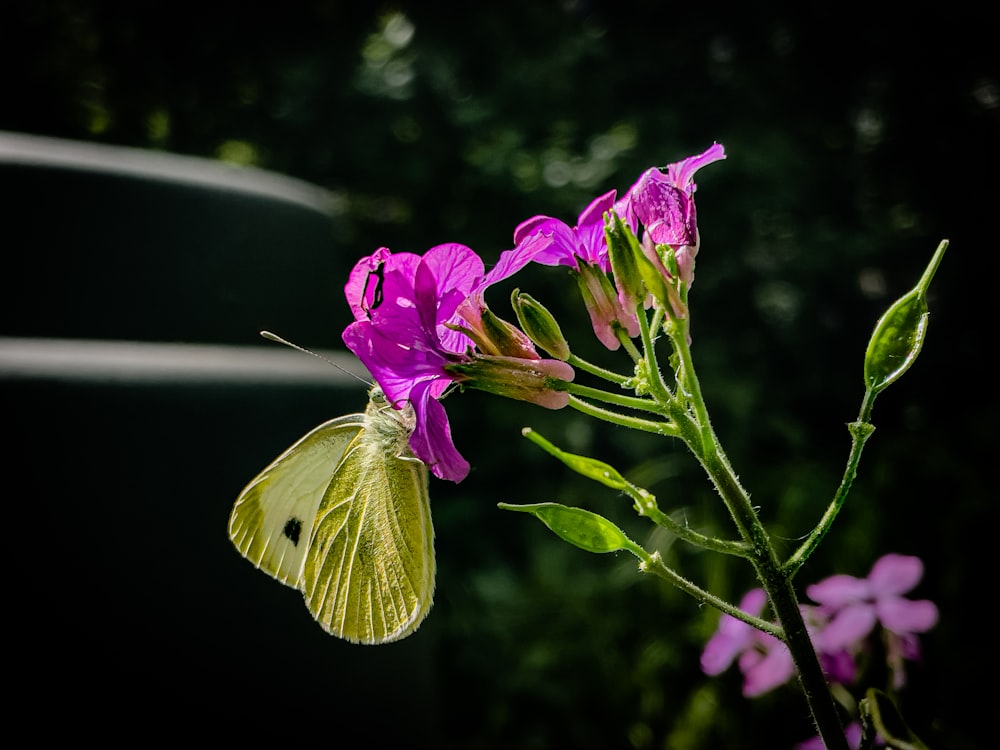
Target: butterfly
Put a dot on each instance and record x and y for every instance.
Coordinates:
(344, 516)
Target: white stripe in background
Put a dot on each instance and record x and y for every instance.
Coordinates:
(135, 362)
(43, 151)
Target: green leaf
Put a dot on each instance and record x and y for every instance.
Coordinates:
(900, 332)
(579, 527)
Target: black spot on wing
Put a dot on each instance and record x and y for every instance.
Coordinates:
(292, 530)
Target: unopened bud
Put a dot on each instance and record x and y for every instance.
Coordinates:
(538, 381)
(624, 253)
(493, 335)
(607, 315)
(539, 325)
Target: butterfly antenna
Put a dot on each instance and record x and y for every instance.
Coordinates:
(275, 337)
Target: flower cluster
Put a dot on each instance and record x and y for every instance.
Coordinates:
(421, 323)
(845, 613)
(662, 202)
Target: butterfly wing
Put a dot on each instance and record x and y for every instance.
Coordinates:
(273, 517)
(369, 572)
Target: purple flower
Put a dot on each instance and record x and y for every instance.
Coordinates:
(571, 245)
(732, 637)
(855, 605)
(663, 202)
(492, 335)
(401, 304)
(584, 248)
(765, 661)
(409, 332)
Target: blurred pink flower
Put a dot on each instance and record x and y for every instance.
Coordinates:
(852, 732)
(765, 661)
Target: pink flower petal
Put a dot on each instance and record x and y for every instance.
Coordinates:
(838, 590)
(775, 669)
(733, 636)
(664, 209)
(895, 574)
(847, 627)
(682, 173)
(906, 616)
(431, 440)
(724, 646)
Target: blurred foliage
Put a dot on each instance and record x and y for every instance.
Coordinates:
(853, 148)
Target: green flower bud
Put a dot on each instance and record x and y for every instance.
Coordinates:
(635, 271)
(507, 340)
(493, 335)
(537, 322)
(624, 252)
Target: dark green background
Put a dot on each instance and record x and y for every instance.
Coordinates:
(855, 144)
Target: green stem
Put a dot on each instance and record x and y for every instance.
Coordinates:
(653, 563)
(626, 341)
(618, 399)
(763, 556)
(645, 425)
(867, 405)
(781, 594)
(657, 320)
(688, 380)
(657, 387)
(645, 505)
(860, 432)
(611, 377)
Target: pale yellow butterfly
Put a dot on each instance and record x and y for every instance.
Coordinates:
(344, 516)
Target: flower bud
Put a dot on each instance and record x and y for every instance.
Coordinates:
(493, 335)
(539, 325)
(538, 381)
(624, 253)
(660, 273)
(606, 312)
(507, 340)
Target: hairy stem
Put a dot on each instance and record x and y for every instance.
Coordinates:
(775, 580)
(623, 420)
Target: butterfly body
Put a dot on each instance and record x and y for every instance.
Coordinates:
(343, 515)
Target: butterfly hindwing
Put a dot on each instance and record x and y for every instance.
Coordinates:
(369, 573)
(273, 517)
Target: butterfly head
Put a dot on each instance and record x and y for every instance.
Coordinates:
(390, 425)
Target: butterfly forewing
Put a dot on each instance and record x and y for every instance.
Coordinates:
(273, 517)
(369, 573)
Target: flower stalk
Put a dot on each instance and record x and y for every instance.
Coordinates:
(775, 581)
